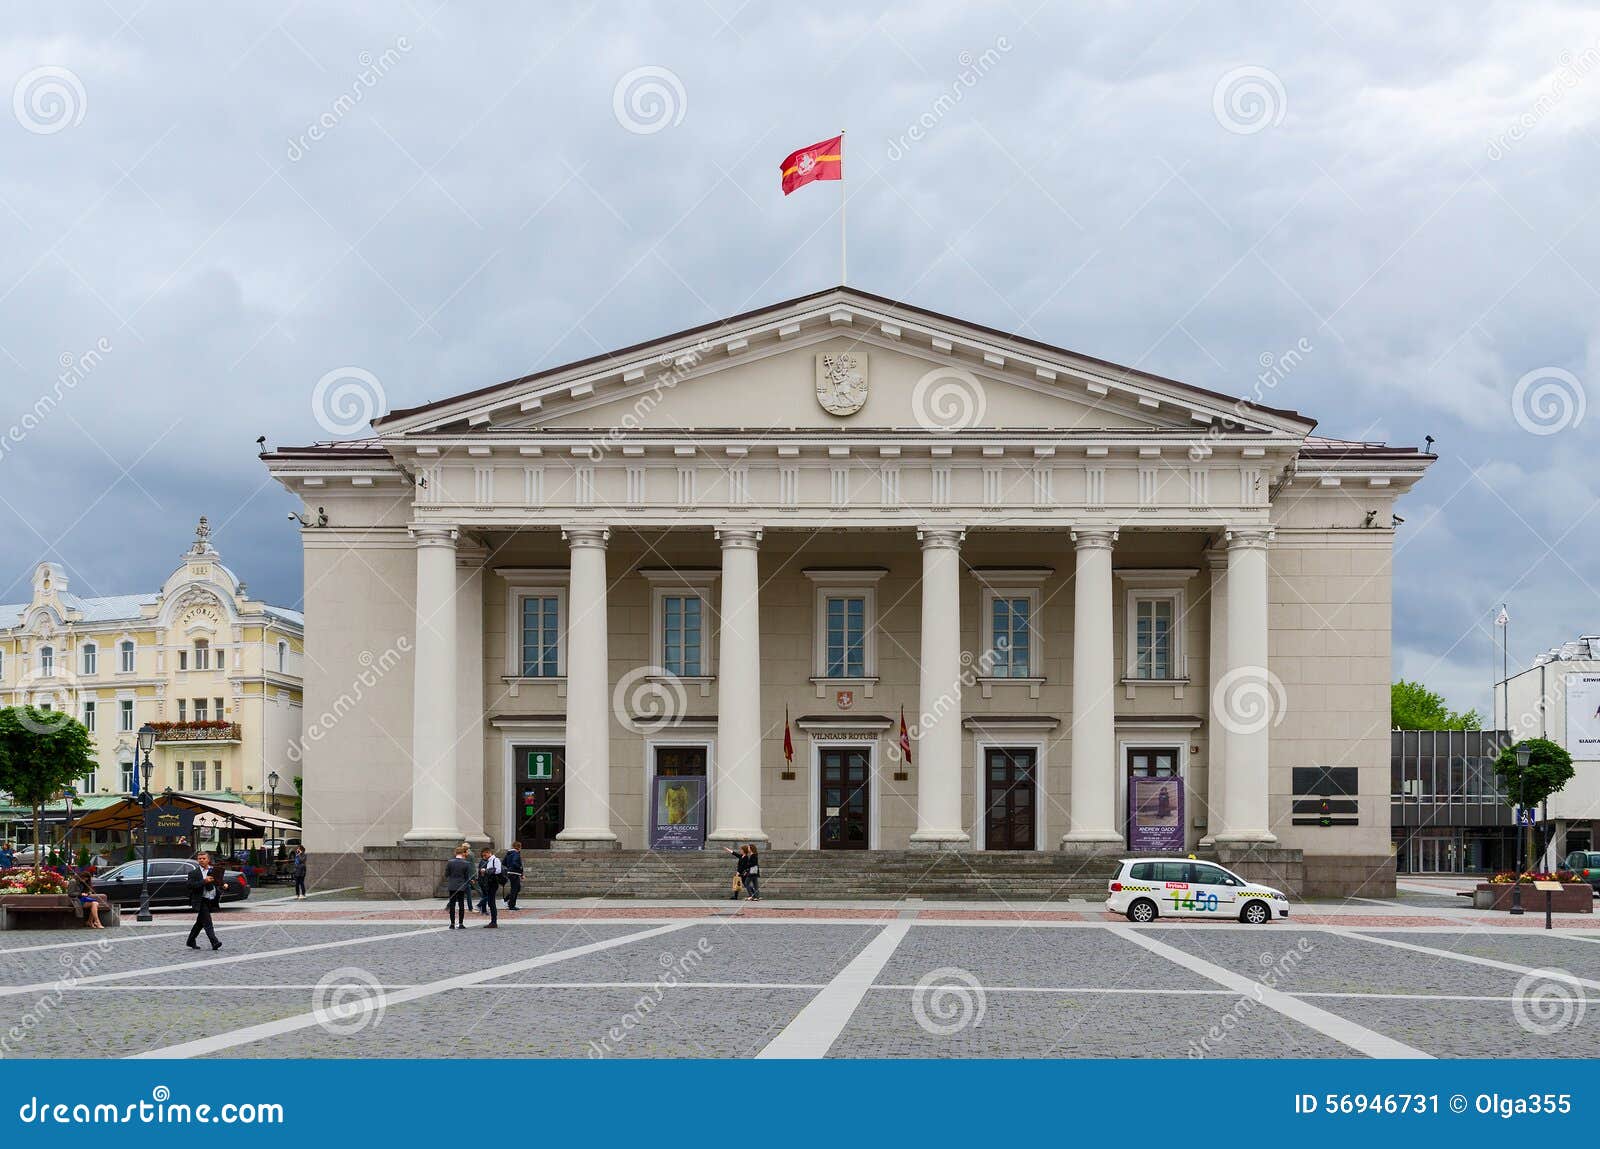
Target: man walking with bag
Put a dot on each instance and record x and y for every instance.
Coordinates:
(489, 871)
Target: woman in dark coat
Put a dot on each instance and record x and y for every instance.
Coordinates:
(297, 867)
(458, 884)
(752, 874)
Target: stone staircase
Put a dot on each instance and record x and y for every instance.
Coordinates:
(816, 875)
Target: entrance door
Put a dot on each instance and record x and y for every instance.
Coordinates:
(845, 794)
(538, 777)
(1010, 797)
(1153, 762)
(678, 813)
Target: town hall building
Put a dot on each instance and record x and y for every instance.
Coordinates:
(684, 594)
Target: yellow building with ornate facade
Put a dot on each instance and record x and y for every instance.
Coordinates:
(216, 671)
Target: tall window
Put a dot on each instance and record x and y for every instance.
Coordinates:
(202, 654)
(216, 774)
(541, 636)
(283, 657)
(177, 774)
(846, 635)
(216, 709)
(91, 782)
(47, 661)
(91, 657)
(183, 710)
(682, 634)
(125, 650)
(2, 664)
(1011, 623)
(88, 715)
(200, 710)
(130, 783)
(1153, 637)
(125, 715)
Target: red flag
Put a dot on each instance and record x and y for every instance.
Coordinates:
(788, 742)
(905, 737)
(824, 161)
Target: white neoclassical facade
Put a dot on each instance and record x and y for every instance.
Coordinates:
(588, 608)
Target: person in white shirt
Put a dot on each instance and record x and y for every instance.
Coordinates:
(489, 871)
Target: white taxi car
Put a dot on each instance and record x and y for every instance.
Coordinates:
(1146, 888)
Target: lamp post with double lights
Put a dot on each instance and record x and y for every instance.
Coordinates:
(1524, 754)
(147, 741)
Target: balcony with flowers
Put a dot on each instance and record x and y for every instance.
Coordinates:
(201, 730)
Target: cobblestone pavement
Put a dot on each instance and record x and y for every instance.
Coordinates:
(591, 979)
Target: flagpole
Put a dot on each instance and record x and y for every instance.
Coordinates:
(842, 199)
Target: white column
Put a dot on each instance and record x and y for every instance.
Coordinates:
(588, 784)
(738, 771)
(469, 690)
(1247, 700)
(433, 711)
(1216, 667)
(938, 747)
(1095, 771)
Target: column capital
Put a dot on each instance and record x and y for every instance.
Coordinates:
(434, 534)
(594, 537)
(739, 538)
(1248, 538)
(1094, 538)
(946, 537)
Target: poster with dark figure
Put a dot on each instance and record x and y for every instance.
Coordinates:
(1155, 814)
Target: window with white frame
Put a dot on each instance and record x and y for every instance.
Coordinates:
(202, 654)
(680, 620)
(183, 710)
(200, 714)
(1153, 650)
(130, 781)
(2, 664)
(216, 774)
(283, 657)
(47, 661)
(216, 708)
(125, 714)
(177, 774)
(125, 655)
(91, 782)
(88, 715)
(536, 621)
(1010, 621)
(90, 657)
(846, 623)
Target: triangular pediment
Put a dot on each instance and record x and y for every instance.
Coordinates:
(845, 361)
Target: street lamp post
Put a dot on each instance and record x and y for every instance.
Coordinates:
(1524, 753)
(272, 787)
(147, 741)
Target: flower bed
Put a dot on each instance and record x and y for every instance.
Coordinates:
(1572, 898)
(25, 880)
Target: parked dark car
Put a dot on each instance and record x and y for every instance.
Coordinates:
(169, 882)
(1586, 864)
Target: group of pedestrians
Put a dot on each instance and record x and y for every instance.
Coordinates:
(462, 878)
(746, 874)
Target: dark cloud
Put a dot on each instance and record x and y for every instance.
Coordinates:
(239, 202)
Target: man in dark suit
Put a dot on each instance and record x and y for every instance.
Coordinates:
(205, 893)
(513, 867)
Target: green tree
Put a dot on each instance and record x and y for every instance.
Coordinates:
(1549, 769)
(1412, 706)
(41, 752)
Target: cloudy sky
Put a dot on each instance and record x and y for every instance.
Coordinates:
(206, 212)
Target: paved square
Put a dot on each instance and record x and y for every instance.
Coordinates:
(564, 979)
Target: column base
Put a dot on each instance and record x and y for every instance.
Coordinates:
(1093, 844)
(934, 841)
(737, 837)
(432, 836)
(1245, 838)
(586, 840)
